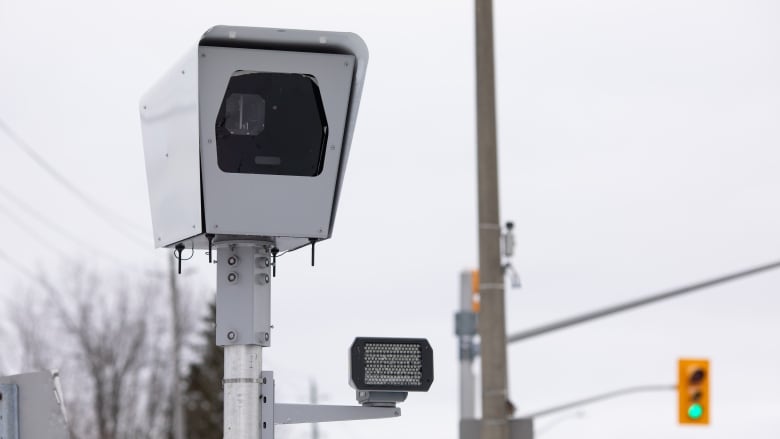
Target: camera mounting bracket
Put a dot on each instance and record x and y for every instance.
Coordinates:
(278, 414)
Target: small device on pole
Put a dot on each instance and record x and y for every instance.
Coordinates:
(246, 141)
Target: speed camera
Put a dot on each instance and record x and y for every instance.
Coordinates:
(248, 135)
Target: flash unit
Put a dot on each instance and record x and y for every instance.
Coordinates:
(391, 364)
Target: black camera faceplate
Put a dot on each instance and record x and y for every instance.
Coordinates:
(284, 132)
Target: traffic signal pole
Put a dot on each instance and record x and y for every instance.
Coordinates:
(466, 395)
(466, 329)
(492, 326)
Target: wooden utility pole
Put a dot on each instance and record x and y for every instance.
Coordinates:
(492, 326)
(179, 423)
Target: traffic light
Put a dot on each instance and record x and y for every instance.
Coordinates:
(475, 291)
(693, 391)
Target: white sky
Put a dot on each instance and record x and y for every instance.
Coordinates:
(639, 151)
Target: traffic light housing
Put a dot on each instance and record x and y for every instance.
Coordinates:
(693, 391)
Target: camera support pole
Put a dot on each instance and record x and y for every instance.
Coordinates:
(244, 329)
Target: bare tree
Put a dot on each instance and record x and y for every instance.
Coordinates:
(111, 338)
(25, 317)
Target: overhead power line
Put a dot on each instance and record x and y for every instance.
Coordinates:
(112, 218)
(30, 231)
(56, 228)
(15, 265)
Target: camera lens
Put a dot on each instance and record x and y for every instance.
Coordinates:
(244, 114)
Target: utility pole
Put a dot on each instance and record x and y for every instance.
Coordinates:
(492, 326)
(179, 424)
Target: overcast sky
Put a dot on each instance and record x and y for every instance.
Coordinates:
(638, 148)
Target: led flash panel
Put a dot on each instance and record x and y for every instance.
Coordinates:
(391, 364)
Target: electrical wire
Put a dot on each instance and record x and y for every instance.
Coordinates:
(31, 211)
(15, 265)
(192, 252)
(105, 213)
(31, 232)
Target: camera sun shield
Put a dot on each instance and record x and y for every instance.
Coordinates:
(248, 136)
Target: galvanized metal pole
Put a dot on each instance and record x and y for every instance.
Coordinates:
(243, 328)
(313, 400)
(465, 332)
(243, 367)
(492, 326)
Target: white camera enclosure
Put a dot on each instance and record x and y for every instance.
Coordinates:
(247, 136)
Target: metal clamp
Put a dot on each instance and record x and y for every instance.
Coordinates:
(243, 293)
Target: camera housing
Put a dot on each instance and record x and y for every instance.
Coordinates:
(248, 135)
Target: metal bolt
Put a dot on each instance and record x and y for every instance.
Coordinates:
(262, 262)
(232, 277)
(262, 278)
(267, 337)
(231, 335)
(232, 260)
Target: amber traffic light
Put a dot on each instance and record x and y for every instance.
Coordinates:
(693, 391)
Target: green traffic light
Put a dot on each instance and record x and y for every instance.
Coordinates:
(695, 411)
